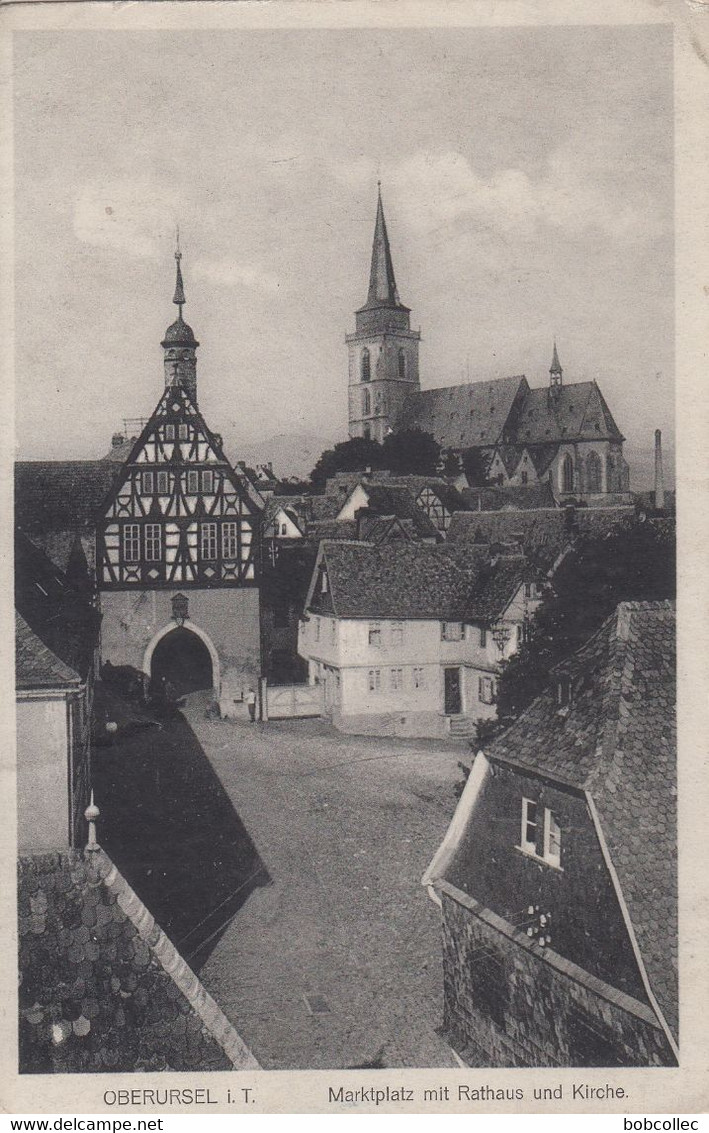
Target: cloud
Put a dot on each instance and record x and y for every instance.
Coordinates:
(128, 214)
(234, 273)
(432, 190)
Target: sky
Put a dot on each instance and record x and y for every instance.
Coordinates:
(527, 180)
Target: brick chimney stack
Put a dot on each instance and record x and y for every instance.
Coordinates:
(659, 476)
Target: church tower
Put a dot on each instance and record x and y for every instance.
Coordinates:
(383, 351)
(179, 343)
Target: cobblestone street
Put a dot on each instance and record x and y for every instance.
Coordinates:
(345, 827)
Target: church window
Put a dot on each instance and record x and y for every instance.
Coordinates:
(593, 473)
(163, 483)
(131, 543)
(567, 474)
(192, 482)
(169, 432)
(183, 432)
(402, 363)
(153, 542)
(148, 482)
(229, 541)
(367, 433)
(367, 403)
(208, 541)
(208, 481)
(366, 366)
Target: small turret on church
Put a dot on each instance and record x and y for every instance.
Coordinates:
(556, 374)
(383, 351)
(179, 343)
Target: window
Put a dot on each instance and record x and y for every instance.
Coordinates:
(183, 432)
(208, 541)
(333, 632)
(397, 633)
(486, 690)
(163, 483)
(418, 678)
(552, 839)
(483, 637)
(396, 679)
(452, 631)
(169, 432)
(529, 589)
(365, 366)
(550, 849)
(230, 542)
(284, 529)
(402, 362)
(519, 635)
(367, 403)
(528, 837)
(153, 542)
(324, 582)
(317, 629)
(593, 472)
(148, 483)
(524, 477)
(131, 543)
(375, 634)
(208, 481)
(375, 680)
(567, 474)
(192, 482)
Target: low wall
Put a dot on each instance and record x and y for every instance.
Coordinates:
(413, 725)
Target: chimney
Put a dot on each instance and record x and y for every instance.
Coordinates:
(117, 440)
(659, 476)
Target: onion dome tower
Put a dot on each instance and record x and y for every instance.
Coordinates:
(179, 343)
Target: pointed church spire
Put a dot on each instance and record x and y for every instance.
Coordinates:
(179, 296)
(382, 284)
(555, 370)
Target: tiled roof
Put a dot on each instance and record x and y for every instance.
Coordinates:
(518, 498)
(416, 580)
(57, 614)
(464, 416)
(332, 529)
(102, 988)
(618, 742)
(36, 666)
(574, 412)
(397, 580)
(61, 495)
(543, 533)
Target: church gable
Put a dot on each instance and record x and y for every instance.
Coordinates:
(178, 514)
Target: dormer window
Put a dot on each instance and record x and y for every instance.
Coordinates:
(540, 835)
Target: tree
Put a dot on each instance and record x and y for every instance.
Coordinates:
(475, 467)
(632, 564)
(354, 455)
(451, 463)
(411, 452)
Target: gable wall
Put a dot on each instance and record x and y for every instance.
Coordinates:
(508, 1005)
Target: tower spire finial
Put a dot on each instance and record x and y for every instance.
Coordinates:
(179, 296)
(382, 284)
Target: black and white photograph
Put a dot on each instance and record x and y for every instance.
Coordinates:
(344, 509)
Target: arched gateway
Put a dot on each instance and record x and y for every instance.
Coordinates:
(185, 657)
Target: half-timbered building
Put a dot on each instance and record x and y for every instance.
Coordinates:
(178, 545)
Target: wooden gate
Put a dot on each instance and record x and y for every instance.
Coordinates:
(294, 701)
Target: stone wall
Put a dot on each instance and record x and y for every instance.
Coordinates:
(229, 618)
(510, 1003)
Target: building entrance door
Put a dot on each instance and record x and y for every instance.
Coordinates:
(181, 661)
(452, 698)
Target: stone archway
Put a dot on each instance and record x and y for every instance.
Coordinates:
(185, 656)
